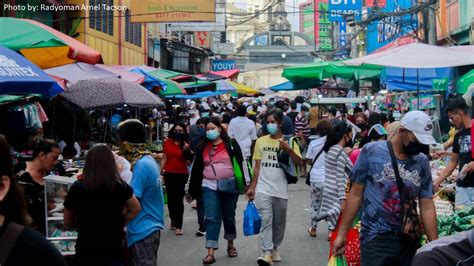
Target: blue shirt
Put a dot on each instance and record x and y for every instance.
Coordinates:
(147, 188)
(381, 207)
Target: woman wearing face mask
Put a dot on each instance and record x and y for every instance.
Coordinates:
(362, 138)
(174, 165)
(30, 177)
(28, 246)
(213, 178)
(338, 168)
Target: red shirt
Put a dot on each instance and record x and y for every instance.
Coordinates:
(176, 163)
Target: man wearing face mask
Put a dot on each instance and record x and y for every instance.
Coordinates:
(375, 189)
(270, 188)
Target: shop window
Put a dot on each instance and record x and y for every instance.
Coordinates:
(133, 31)
(102, 20)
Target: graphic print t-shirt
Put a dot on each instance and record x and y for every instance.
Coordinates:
(272, 180)
(381, 207)
(462, 146)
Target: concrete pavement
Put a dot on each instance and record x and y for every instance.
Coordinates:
(298, 247)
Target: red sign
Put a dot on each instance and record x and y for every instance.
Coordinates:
(373, 3)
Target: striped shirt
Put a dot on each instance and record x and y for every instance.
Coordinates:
(301, 124)
(338, 168)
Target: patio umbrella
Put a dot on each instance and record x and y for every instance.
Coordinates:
(203, 94)
(110, 93)
(43, 45)
(80, 71)
(20, 76)
(124, 73)
(242, 89)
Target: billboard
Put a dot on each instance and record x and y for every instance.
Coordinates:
(172, 10)
(339, 8)
(218, 25)
(385, 31)
(218, 65)
(307, 19)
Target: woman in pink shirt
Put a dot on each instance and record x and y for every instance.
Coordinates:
(213, 177)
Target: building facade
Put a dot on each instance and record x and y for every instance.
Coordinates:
(307, 16)
(455, 19)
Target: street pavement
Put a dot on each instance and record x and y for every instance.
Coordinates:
(298, 247)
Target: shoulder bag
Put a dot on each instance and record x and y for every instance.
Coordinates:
(410, 226)
(308, 176)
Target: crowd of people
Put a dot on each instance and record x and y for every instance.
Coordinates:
(358, 167)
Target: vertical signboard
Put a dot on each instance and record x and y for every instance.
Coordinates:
(339, 8)
(385, 31)
(342, 34)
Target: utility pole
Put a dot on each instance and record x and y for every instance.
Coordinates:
(432, 35)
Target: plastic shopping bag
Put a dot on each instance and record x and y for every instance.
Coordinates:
(252, 220)
(337, 261)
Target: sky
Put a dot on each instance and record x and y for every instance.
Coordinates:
(292, 16)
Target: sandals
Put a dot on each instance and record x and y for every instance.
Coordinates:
(232, 252)
(312, 231)
(209, 259)
(178, 232)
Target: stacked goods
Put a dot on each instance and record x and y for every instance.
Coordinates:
(462, 220)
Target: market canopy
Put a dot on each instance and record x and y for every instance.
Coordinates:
(171, 88)
(172, 75)
(43, 45)
(228, 86)
(465, 82)
(110, 93)
(203, 94)
(80, 71)
(285, 86)
(210, 77)
(124, 73)
(416, 55)
(230, 74)
(20, 76)
(198, 86)
(310, 76)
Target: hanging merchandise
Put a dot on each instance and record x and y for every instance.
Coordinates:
(422, 102)
(41, 113)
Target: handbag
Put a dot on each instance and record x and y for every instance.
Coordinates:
(228, 185)
(308, 175)
(410, 223)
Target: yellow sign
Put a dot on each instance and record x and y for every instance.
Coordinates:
(173, 10)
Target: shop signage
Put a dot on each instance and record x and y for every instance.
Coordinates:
(342, 34)
(218, 65)
(173, 11)
(372, 3)
(426, 102)
(202, 39)
(383, 32)
(219, 25)
(9, 68)
(339, 8)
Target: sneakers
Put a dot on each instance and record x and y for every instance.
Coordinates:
(200, 233)
(265, 261)
(276, 256)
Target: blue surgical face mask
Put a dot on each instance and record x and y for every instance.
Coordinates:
(205, 114)
(272, 129)
(212, 134)
(202, 132)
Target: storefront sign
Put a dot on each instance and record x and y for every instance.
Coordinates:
(202, 39)
(383, 32)
(219, 25)
(173, 11)
(425, 102)
(342, 34)
(339, 8)
(218, 65)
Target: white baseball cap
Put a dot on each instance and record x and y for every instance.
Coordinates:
(420, 124)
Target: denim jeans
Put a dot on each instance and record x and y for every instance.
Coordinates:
(219, 207)
(388, 250)
(464, 196)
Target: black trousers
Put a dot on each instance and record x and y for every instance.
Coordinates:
(388, 250)
(200, 214)
(175, 184)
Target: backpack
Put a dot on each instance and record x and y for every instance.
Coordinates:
(286, 163)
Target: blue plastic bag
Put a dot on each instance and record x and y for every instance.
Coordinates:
(252, 220)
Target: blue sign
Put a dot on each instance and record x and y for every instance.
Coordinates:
(339, 8)
(342, 34)
(218, 65)
(385, 31)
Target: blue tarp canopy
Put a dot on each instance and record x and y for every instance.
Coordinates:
(198, 95)
(20, 76)
(406, 79)
(285, 86)
(150, 81)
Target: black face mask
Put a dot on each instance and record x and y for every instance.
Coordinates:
(179, 136)
(349, 143)
(362, 126)
(414, 148)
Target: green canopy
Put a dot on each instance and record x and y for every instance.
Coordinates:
(172, 88)
(465, 81)
(310, 76)
(165, 74)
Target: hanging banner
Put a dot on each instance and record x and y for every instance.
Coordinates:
(172, 10)
(339, 8)
(373, 3)
(426, 102)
